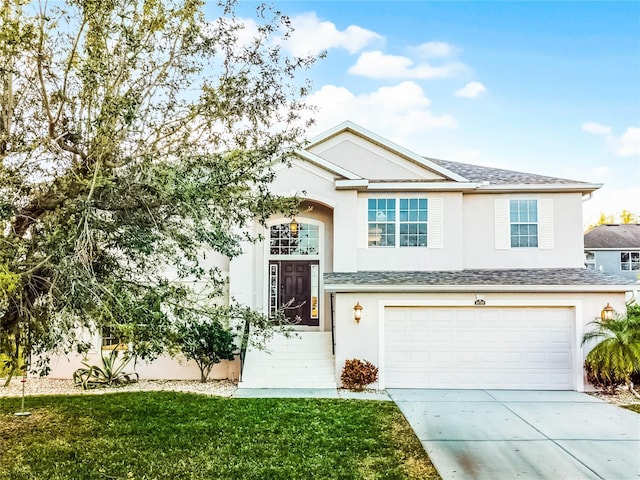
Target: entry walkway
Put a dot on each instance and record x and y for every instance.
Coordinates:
(502, 434)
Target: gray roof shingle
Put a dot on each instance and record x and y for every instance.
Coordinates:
(542, 276)
(613, 236)
(499, 176)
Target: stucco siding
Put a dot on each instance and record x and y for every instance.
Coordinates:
(446, 257)
(304, 180)
(365, 340)
(479, 220)
(163, 368)
(609, 261)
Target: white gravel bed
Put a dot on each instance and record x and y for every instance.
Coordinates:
(52, 386)
(621, 397)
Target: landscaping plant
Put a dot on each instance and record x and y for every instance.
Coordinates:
(207, 342)
(357, 374)
(615, 359)
(109, 373)
(134, 135)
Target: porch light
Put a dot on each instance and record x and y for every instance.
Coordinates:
(293, 227)
(607, 312)
(357, 312)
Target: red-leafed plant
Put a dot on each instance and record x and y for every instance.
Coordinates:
(357, 374)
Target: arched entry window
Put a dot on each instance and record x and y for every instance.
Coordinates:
(304, 241)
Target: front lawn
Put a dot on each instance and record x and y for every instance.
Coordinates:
(166, 435)
(634, 407)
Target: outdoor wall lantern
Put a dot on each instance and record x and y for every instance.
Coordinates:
(479, 300)
(357, 312)
(607, 312)
(293, 227)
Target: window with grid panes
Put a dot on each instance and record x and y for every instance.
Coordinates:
(382, 222)
(523, 218)
(413, 222)
(629, 260)
(397, 222)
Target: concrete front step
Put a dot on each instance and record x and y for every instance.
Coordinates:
(281, 383)
(304, 360)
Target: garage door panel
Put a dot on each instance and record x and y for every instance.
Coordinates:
(516, 348)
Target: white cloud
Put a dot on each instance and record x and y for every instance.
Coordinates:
(376, 64)
(471, 90)
(625, 145)
(312, 35)
(628, 145)
(434, 49)
(596, 128)
(394, 112)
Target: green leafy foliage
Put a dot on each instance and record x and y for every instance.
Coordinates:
(616, 356)
(207, 342)
(110, 373)
(357, 374)
(134, 136)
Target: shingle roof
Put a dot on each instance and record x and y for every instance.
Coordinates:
(613, 236)
(477, 173)
(532, 277)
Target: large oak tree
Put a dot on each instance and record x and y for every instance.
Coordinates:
(133, 135)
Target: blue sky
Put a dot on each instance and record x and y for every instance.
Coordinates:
(545, 87)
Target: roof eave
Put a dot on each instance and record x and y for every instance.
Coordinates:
(365, 185)
(542, 187)
(351, 287)
(613, 249)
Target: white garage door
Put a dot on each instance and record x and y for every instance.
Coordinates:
(482, 347)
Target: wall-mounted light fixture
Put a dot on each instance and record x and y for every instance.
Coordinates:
(607, 313)
(293, 227)
(479, 300)
(357, 312)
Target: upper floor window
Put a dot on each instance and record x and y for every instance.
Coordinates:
(590, 260)
(523, 220)
(303, 241)
(400, 222)
(629, 260)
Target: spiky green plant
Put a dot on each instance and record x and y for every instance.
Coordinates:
(617, 355)
(110, 373)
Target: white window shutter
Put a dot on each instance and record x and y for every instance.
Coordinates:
(545, 223)
(435, 223)
(362, 223)
(502, 230)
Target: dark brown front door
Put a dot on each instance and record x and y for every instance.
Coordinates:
(295, 295)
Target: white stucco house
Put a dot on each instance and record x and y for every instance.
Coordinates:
(468, 276)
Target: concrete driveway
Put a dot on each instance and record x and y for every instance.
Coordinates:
(504, 434)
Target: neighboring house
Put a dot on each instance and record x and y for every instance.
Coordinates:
(468, 276)
(614, 248)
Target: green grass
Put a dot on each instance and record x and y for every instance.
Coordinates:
(633, 408)
(165, 435)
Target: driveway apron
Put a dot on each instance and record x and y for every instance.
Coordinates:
(504, 434)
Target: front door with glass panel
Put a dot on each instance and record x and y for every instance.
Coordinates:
(296, 290)
(294, 272)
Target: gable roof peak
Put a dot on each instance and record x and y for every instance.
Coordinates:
(350, 127)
